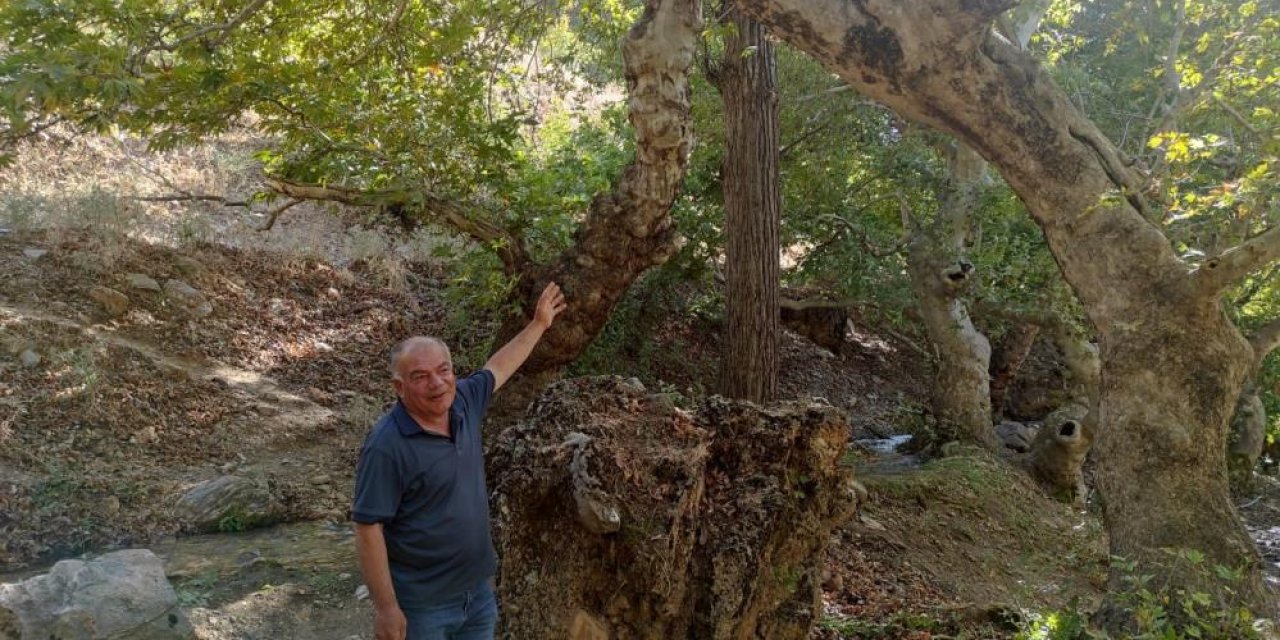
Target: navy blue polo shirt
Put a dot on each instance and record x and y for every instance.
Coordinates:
(428, 491)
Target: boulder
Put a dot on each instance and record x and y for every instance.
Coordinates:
(620, 515)
(187, 298)
(112, 301)
(122, 595)
(228, 503)
(1016, 435)
(142, 282)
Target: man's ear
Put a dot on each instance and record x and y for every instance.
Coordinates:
(396, 384)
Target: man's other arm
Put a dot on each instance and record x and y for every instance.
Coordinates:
(508, 359)
(389, 622)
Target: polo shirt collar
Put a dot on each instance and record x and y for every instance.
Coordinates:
(408, 427)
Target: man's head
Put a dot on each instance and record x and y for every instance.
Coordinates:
(422, 374)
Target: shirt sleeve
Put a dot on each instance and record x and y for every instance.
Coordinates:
(378, 487)
(475, 391)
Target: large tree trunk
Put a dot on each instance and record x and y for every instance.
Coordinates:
(940, 273)
(747, 80)
(628, 229)
(1172, 362)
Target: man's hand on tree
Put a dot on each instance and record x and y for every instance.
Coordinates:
(550, 304)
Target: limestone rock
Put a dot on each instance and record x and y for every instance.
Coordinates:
(142, 282)
(112, 301)
(34, 253)
(122, 595)
(187, 298)
(228, 503)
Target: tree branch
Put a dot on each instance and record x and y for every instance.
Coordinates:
(510, 249)
(1219, 272)
(275, 213)
(189, 197)
(1266, 339)
(222, 29)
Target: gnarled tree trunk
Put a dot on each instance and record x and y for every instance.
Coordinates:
(629, 229)
(748, 79)
(1172, 362)
(939, 275)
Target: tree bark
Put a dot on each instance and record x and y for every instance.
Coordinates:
(939, 275)
(1172, 362)
(628, 229)
(1007, 360)
(747, 80)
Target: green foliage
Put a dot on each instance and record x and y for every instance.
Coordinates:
(1158, 611)
(379, 94)
(635, 341)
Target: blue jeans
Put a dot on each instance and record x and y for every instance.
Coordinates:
(470, 616)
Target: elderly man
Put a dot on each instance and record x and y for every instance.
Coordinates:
(421, 508)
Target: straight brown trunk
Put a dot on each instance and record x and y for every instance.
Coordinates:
(747, 80)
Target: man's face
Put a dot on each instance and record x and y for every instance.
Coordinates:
(425, 381)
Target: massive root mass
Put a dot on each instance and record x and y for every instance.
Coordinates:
(621, 515)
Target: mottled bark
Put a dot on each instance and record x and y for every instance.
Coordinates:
(628, 229)
(1172, 362)
(747, 80)
(940, 273)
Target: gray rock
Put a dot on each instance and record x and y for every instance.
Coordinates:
(228, 503)
(1016, 435)
(188, 298)
(142, 282)
(29, 358)
(121, 595)
(112, 301)
(189, 267)
(33, 253)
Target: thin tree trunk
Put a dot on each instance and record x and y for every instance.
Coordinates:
(1172, 362)
(747, 79)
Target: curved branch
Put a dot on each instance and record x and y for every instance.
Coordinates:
(1219, 272)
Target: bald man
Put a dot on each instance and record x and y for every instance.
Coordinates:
(421, 508)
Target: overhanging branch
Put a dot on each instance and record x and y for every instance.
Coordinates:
(428, 206)
(1219, 272)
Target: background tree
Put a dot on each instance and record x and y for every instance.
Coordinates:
(1172, 362)
(747, 77)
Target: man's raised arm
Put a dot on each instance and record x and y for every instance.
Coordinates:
(504, 363)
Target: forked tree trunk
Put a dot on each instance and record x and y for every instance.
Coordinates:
(747, 80)
(628, 229)
(1172, 362)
